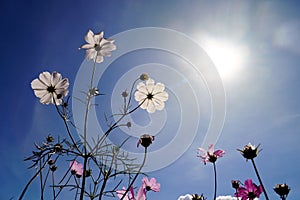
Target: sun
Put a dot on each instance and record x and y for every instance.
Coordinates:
(228, 57)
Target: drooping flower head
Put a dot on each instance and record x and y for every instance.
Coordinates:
(145, 140)
(249, 151)
(282, 190)
(151, 96)
(151, 184)
(250, 191)
(50, 88)
(210, 155)
(76, 168)
(97, 46)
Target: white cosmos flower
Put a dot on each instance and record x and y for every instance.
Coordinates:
(185, 197)
(50, 88)
(151, 96)
(97, 46)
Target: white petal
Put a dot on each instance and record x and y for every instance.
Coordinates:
(151, 107)
(105, 41)
(89, 37)
(144, 104)
(163, 96)
(87, 46)
(46, 99)
(37, 84)
(40, 93)
(62, 84)
(104, 52)
(159, 87)
(98, 38)
(150, 85)
(150, 81)
(45, 77)
(159, 105)
(90, 54)
(139, 96)
(142, 88)
(55, 78)
(99, 58)
(109, 47)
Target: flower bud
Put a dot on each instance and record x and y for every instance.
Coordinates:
(144, 77)
(145, 140)
(249, 151)
(282, 190)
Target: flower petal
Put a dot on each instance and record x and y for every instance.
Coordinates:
(47, 98)
(89, 37)
(40, 93)
(45, 77)
(150, 107)
(38, 84)
(98, 37)
(162, 96)
(159, 87)
(99, 58)
(55, 78)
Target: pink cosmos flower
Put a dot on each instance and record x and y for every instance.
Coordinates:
(76, 168)
(151, 184)
(141, 194)
(210, 155)
(250, 191)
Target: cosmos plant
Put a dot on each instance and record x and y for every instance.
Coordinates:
(71, 166)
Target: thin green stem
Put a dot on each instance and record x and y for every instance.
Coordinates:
(215, 173)
(53, 190)
(30, 181)
(66, 125)
(136, 175)
(85, 132)
(260, 181)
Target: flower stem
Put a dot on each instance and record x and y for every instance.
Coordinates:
(136, 175)
(215, 173)
(33, 177)
(260, 181)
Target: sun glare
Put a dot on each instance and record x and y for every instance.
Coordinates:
(228, 57)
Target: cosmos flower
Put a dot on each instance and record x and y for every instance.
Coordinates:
(282, 190)
(50, 88)
(250, 191)
(76, 168)
(210, 155)
(151, 96)
(145, 140)
(141, 194)
(97, 46)
(249, 151)
(192, 197)
(185, 197)
(151, 184)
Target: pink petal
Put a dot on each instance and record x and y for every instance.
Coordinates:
(141, 194)
(219, 153)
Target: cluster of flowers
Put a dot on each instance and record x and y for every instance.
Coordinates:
(246, 191)
(52, 88)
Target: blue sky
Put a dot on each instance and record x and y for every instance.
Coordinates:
(254, 45)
